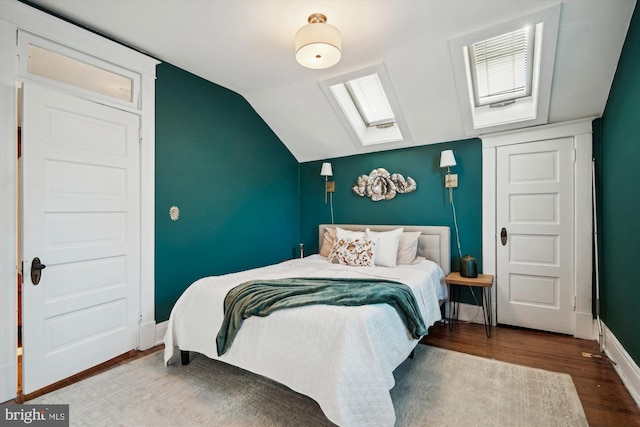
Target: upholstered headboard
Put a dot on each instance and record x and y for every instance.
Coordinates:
(434, 243)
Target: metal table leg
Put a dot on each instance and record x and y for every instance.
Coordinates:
(486, 311)
(454, 302)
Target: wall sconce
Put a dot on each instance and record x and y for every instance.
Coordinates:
(447, 159)
(318, 44)
(329, 186)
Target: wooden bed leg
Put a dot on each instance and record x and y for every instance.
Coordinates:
(184, 357)
(413, 352)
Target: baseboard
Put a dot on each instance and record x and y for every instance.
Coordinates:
(161, 329)
(627, 369)
(469, 313)
(585, 326)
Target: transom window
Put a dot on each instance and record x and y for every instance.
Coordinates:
(58, 65)
(55, 66)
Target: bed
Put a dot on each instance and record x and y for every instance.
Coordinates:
(342, 357)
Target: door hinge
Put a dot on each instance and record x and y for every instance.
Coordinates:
(575, 302)
(574, 155)
(140, 135)
(140, 318)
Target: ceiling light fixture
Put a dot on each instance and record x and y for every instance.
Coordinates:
(318, 44)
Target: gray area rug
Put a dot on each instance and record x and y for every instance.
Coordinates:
(437, 388)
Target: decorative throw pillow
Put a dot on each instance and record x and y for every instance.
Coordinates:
(352, 251)
(341, 233)
(408, 247)
(327, 241)
(386, 247)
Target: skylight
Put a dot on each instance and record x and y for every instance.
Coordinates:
(503, 73)
(501, 67)
(369, 98)
(366, 101)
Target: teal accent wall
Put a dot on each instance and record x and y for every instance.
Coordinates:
(428, 205)
(235, 183)
(618, 152)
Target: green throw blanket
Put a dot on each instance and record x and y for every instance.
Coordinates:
(262, 297)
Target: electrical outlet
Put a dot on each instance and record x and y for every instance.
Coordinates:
(451, 181)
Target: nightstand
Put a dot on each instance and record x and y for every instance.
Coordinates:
(484, 281)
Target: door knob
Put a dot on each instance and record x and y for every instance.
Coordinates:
(503, 236)
(36, 270)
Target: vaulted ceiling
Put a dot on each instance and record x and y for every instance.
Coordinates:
(247, 46)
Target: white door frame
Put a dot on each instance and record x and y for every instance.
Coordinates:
(580, 131)
(14, 16)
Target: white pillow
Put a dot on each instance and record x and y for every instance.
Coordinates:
(385, 251)
(341, 233)
(408, 247)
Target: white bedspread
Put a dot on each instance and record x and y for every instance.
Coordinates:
(342, 357)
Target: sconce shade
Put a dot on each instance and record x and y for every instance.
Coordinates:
(447, 159)
(318, 44)
(326, 170)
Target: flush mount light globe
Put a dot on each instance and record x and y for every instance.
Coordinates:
(318, 44)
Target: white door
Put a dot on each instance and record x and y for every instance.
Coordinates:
(535, 286)
(81, 219)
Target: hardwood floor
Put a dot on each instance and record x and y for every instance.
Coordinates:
(605, 399)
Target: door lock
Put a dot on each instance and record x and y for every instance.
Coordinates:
(36, 270)
(503, 236)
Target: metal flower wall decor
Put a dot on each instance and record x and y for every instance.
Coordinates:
(381, 185)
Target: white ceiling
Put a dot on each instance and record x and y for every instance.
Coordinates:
(247, 46)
